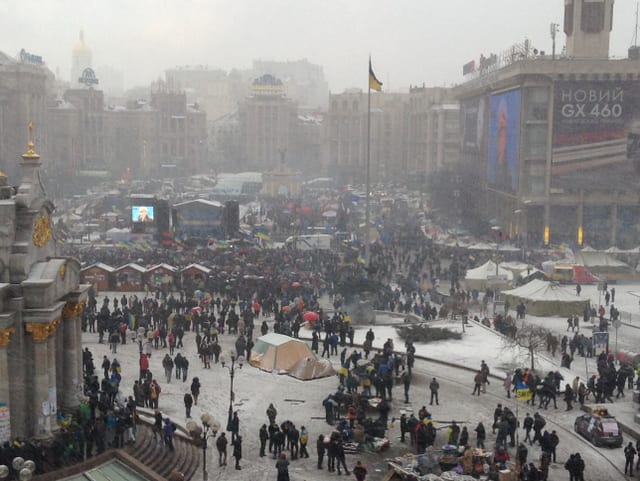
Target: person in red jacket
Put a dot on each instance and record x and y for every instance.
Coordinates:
(144, 365)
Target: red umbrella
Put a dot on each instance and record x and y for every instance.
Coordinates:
(295, 284)
(311, 316)
(286, 308)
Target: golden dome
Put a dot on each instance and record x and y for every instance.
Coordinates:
(81, 47)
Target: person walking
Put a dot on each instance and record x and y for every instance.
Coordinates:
(320, 449)
(169, 430)
(304, 439)
(477, 379)
(360, 471)
(406, 381)
(481, 435)
(434, 386)
(188, 403)
(234, 427)
(195, 390)
(629, 453)
(264, 437)
(282, 466)
(167, 364)
(221, 445)
(568, 396)
(237, 450)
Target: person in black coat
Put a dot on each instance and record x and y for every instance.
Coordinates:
(264, 436)
(237, 450)
(320, 448)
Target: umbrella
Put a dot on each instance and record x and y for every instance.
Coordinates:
(286, 308)
(310, 316)
(295, 284)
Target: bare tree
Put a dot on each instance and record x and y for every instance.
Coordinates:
(530, 337)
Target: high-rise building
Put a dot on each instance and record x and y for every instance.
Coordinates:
(267, 125)
(81, 58)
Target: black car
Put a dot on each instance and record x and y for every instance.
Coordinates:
(600, 428)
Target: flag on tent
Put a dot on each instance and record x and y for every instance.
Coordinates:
(374, 83)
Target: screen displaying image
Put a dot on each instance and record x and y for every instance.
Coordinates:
(142, 213)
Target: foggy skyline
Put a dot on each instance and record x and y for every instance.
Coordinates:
(411, 41)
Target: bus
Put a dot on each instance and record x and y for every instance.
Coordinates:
(310, 242)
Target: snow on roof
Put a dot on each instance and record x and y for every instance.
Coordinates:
(100, 265)
(134, 266)
(539, 290)
(162, 266)
(598, 259)
(486, 270)
(211, 203)
(277, 339)
(200, 267)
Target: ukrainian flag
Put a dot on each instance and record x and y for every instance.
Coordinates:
(374, 83)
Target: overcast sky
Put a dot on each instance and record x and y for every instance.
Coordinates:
(411, 41)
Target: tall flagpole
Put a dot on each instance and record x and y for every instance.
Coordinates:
(368, 169)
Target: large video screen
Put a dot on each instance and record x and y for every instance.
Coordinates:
(504, 141)
(142, 213)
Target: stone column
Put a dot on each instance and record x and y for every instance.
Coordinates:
(52, 390)
(42, 418)
(614, 224)
(72, 365)
(5, 389)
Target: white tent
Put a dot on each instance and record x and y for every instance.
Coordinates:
(485, 276)
(544, 298)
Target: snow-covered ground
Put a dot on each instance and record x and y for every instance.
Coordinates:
(300, 401)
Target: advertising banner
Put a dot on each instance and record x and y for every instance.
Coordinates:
(504, 141)
(473, 115)
(600, 343)
(595, 123)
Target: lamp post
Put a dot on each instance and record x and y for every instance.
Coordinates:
(210, 428)
(232, 370)
(24, 469)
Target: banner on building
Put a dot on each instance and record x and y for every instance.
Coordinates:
(473, 121)
(595, 123)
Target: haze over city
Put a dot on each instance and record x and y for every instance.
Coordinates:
(412, 41)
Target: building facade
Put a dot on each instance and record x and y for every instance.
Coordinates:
(24, 85)
(558, 139)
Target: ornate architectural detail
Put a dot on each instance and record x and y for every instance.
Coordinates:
(30, 153)
(73, 309)
(5, 336)
(41, 230)
(42, 331)
(62, 271)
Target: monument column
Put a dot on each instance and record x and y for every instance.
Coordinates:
(42, 418)
(52, 391)
(72, 365)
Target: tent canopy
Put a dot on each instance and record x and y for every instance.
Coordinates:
(286, 355)
(485, 276)
(544, 298)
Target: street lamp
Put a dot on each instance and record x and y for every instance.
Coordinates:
(232, 369)
(209, 430)
(24, 469)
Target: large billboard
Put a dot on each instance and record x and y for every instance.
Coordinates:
(473, 118)
(504, 141)
(595, 123)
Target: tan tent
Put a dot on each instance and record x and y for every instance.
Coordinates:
(286, 355)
